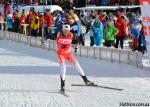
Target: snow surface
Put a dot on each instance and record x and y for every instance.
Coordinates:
(29, 77)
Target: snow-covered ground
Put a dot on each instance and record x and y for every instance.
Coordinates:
(29, 77)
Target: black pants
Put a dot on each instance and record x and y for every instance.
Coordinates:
(92, 41)
(34, 32)
(9, 29)
(75, 40)
(108, 43)
(82, 39)
(121, 40)
(47, 33)
(40, 32)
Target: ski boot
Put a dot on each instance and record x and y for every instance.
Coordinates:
(87, 82)
(62, 85)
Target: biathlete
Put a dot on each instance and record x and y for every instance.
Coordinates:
(64, 40)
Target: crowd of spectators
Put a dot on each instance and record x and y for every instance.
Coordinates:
(113, 2)
(109, 29)
(75, 3)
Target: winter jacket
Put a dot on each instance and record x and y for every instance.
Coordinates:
(110, 32)
(49, 20)
(97, 29)
(121, 26)
(23, 19)
(9, 21)
(35, 23)
(136, 28)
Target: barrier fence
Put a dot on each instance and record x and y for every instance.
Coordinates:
(109, 54)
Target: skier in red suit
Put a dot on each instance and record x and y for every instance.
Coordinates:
(64, 40)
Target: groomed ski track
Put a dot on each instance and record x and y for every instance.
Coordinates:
(29, 77)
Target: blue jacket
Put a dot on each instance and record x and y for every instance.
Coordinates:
(97, 29)
(9, 21)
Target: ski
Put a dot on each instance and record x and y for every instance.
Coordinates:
(97, 86)
(63, 93)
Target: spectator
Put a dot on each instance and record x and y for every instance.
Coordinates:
(97, 29)
(29, 19)
(35, 25)
(142, 40)
(58, 23)
(135, 29)
(102, 17)
(6, 9)
(109, 34)
(41, 19)
(75, 29)
(49, 23)
(22, 20)
(9, 22)
(121, 26)
(16, 23)
(82, 35)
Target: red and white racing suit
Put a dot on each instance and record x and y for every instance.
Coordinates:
(64, 53)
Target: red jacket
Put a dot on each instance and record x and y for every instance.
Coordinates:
(49, 20)
(23, 19)
(121, 26)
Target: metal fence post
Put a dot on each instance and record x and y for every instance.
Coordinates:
(8, 36)
(35, 38)
(128, 57)
(30, 40)
(18, 40)
(80, 51)
(100, 53)
(119, 56)
(49, 45)
(94, 53)
(53, 45)
(111, 55)
(87, 51)
(136, 53)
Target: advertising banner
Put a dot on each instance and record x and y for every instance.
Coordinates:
(145, 9)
